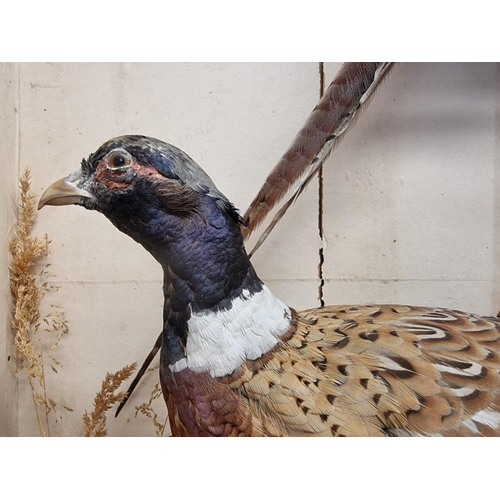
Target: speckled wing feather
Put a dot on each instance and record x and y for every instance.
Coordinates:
(378, 371)
(351, 89)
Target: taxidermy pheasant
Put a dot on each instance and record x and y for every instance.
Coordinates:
(235, 360)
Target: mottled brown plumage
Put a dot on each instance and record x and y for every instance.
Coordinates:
(387, 370)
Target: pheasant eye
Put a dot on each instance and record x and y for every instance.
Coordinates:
(119, 159)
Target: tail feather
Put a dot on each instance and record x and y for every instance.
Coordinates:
(334, 114)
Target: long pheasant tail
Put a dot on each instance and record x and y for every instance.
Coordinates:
(331, 118)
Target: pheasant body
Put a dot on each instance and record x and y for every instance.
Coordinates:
(375, 370)
(235, 360)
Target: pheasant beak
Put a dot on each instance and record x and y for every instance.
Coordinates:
(64, 192)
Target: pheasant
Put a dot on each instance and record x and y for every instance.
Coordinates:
(236, 361)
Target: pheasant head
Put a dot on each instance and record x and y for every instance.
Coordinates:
(217, 311)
